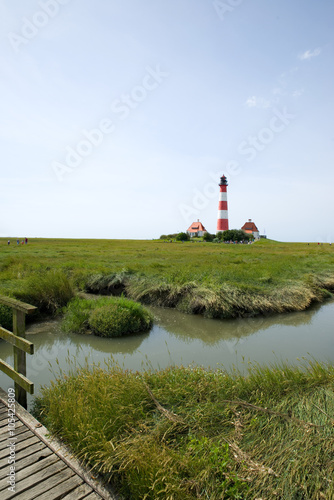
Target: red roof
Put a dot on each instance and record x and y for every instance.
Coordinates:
(250, 227)
(195, 227)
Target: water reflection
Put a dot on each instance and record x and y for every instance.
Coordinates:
(212, 331)
(178, 338)
(52, 329)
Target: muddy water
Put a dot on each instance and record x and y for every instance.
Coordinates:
(178, 338)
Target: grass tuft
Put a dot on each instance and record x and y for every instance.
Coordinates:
(106, 317)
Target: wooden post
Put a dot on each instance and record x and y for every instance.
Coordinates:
(21, 346)
(19, 355)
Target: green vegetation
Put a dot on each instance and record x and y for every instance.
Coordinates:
(208, 237)
(6, 317)
(49, 291)
(182, 237)
(186, 433)
(106, 317)
(77, 314)
(120, 318)
(168, 236)
(234, 235)
(215, 279)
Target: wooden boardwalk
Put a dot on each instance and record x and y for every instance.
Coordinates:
(44, 468)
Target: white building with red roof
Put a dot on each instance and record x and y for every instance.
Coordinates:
(250, 228)
(196, 229)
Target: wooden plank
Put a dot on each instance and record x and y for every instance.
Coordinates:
(25, 383)
(19, 433)
(42, 482)
(92, 496)
(27, 440)
(33, 448)
(29, 471)
(3, 467)
(3, 430)
(26, 434)
(79, 493)
(35, 457)
(18, 430)
(18, 342)
(62, 489)
(26, 454)
(4, 414)
(4, 419)
(20, 446)
(4, 422)
(17, 304)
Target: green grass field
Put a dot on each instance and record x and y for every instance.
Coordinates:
(217, 280)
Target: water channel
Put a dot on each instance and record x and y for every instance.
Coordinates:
(180, 339)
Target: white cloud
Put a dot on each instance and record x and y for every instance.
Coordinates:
(298, 93)
(308, 54)
(258, 102)
(278, 91)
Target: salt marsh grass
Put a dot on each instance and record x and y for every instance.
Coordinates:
(217, 280)
(186, 433)
(106, 317)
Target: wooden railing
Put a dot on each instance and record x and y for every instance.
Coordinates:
(21, 347)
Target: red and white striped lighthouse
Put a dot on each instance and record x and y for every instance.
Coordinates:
(222, 222)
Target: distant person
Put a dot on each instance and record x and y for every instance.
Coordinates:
(17, 241)
(26, 241)
(8, 243)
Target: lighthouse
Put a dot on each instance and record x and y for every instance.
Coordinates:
(222, 222)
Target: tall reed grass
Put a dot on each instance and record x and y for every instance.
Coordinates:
(187, 433)
(49, 291)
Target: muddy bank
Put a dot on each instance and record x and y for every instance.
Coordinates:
(222, 301)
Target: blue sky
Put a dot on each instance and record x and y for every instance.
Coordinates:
(118, 118)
